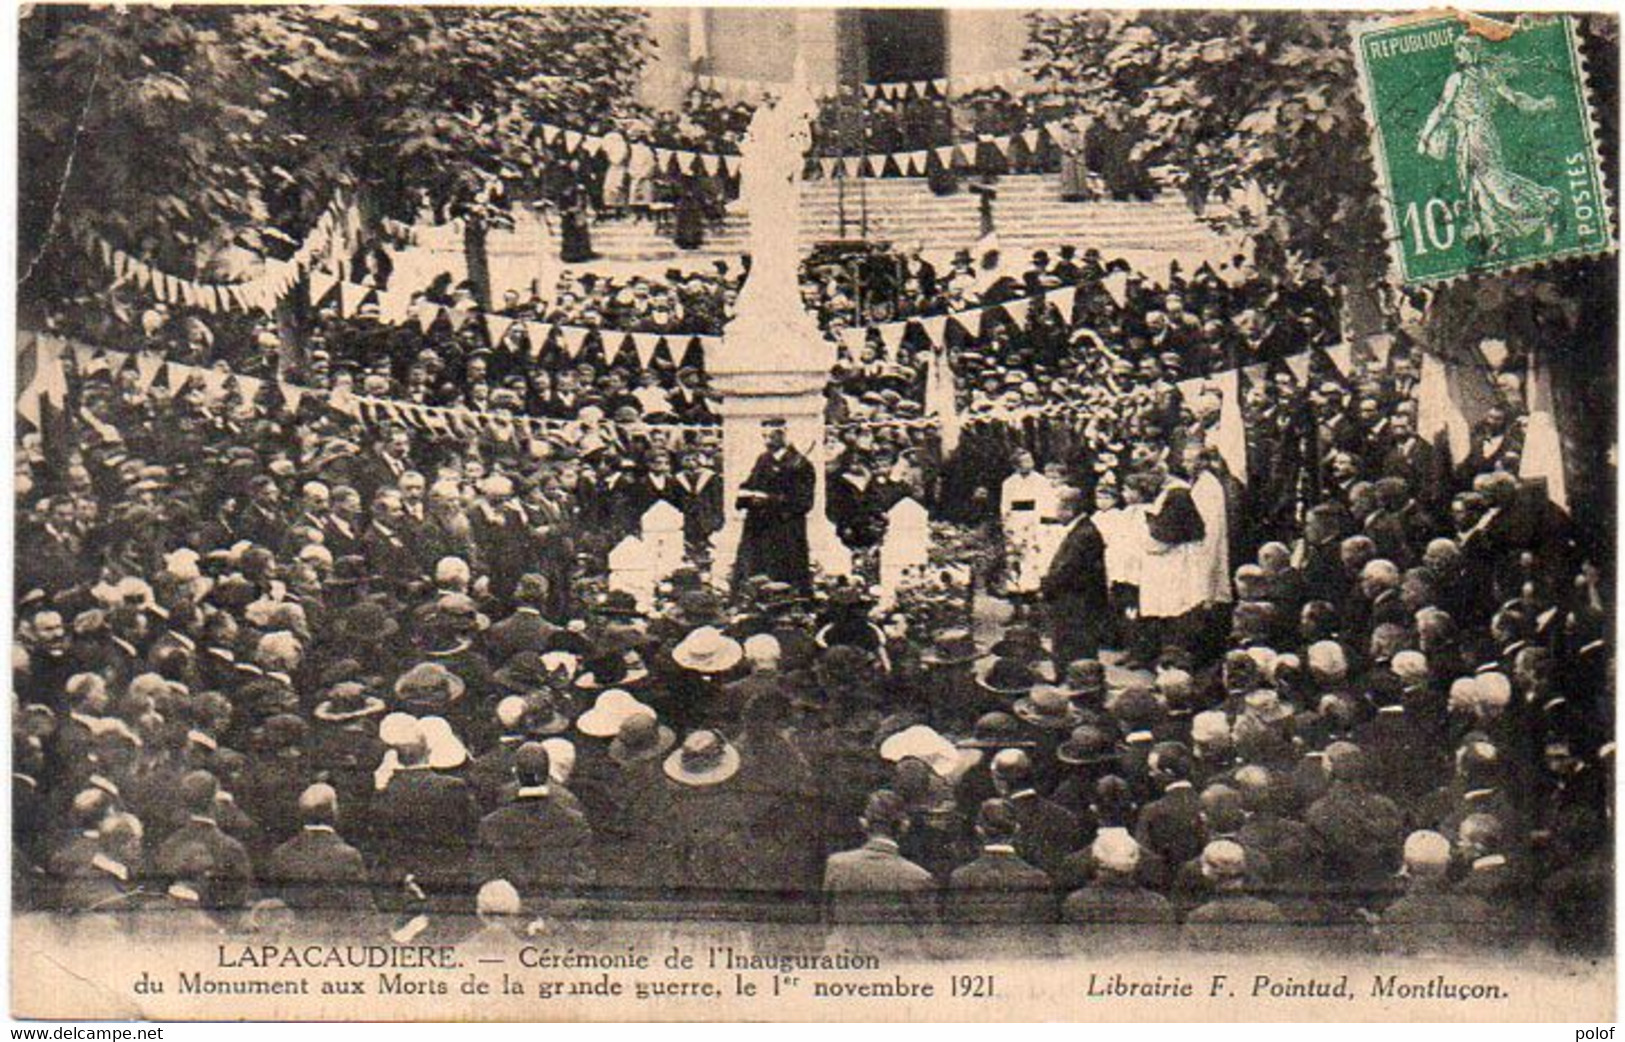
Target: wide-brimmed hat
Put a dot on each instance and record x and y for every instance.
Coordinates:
(618, 604)
(1085, 678)
(428, 685)
(543, 714)
(1089, 744)
(347, 700)
(1050, 708)
(642, 737)
(708, 650)
(705, 758)
(995, 730)
(1007, 677)
(924, 743)
(525, 672)
(459, 609)
(612, 669)
(697, 608)
(608, 712)
(1020, 642)
(951, 647)
(446, 751)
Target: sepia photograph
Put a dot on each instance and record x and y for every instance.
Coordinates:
(538, 513)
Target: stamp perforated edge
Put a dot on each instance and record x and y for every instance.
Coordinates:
(1396, 254)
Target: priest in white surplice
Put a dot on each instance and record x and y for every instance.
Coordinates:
(1026, 499)
(1173, 572)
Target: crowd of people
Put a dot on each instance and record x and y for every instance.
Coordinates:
(1256, 670)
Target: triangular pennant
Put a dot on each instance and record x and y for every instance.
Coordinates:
(350, 295)
(250, 387)
(460, 317)
(550, 133)
(592, 144)
(1254, 373)
(1299, 365)
(891, 336)
(945, 155)
(1380, 346)
(394, 306)
(870, 90)
(147, 366)
(827, 167)
(214, 382)
(1063, 300)
(1342, 357)
(292, 395)
(574, 338)
(321, 284)
(1017, 310)
(935, 326)
(711, 163)
(731, 165)
(1029, 138)
(175, 377)
(497, 326)
(645, 344)
(852, 167)
(940, 85)
(426, 314)
(572, 140)
(537, 333)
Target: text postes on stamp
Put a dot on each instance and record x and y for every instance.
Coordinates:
(1486, 152)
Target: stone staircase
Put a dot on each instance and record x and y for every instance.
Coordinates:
(1028, 214)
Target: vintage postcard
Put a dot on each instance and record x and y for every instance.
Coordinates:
(605, 513)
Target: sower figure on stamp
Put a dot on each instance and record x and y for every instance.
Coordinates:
(776, 498)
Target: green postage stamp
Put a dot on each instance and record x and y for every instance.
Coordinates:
(1486, 150)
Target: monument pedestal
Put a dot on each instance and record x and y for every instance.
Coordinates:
(773, 362)
(748, 399)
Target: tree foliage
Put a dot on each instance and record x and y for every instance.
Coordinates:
(1230, 105)
(178, 132)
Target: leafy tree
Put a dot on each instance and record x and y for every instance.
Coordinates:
(1228, 104)
(179, 132)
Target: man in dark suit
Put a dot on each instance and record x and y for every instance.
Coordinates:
(1047, 831)
(541, 841)
(1172, 826)
(1233, 921)
(423, 822)
(1432, 919)
(316, 871)
(229, 871)
(875, 882)
(525, 629)
(1075, 588)
(776, 498)
(386, 543)
(999, 887)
